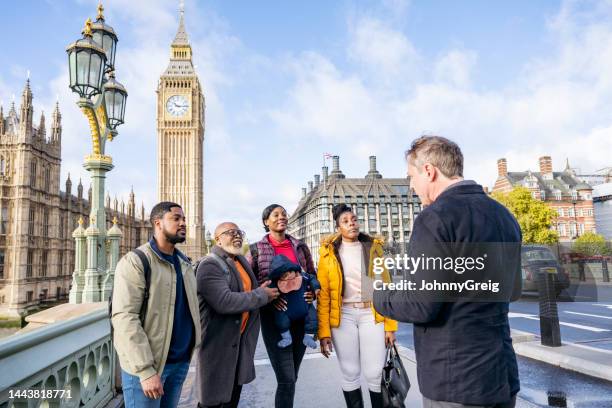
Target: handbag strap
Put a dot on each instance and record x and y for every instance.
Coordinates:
(391, 354)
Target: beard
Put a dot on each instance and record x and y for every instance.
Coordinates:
(231, 249)
(174, 238)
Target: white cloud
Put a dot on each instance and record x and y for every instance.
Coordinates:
(558, 100)
(326, 104)
(455, 68)
(383, 50)
(374, 99)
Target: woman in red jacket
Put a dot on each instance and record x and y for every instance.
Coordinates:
(285, 361)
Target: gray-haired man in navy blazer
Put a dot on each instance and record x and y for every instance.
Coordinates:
(463, 348)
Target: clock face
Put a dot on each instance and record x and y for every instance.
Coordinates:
(177, 105)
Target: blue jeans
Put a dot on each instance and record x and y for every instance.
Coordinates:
(172, 378)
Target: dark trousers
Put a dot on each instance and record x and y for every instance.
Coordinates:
(233, 403)
(310, 321)
(285, 361)
(427, 403)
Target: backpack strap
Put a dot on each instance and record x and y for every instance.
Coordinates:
(255, 256)
(221, 262)
(146, 266)
(147, 275)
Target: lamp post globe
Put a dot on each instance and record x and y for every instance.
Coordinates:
(105, 36)
(86, 62)
(115, 96)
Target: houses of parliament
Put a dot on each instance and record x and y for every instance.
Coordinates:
(38, 217)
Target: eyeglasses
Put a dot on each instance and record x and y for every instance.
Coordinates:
(233, 233)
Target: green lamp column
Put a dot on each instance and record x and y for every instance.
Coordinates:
(91, 291)
(114, 237)
(80, 263)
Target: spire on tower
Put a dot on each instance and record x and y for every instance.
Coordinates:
(68, 186)
(42, 129)
(26, 95)
(57, 116)
(56, 125)
(568, 168)
(80, 190)
(180, 50)
(11, 119)
(131, 207)
(12, 111)
(181, 35)
(27, 111)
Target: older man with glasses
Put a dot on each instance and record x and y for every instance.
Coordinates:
(229, 308)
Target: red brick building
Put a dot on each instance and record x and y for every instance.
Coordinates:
(571, 199)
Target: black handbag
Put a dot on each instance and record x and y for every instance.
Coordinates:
(395, 383)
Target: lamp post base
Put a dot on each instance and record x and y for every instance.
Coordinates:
(76, 291)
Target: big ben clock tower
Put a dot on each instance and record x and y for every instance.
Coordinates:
(180, 137)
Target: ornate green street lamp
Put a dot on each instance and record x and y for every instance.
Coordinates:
(91, 62)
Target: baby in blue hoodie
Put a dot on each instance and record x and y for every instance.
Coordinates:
(293, 283)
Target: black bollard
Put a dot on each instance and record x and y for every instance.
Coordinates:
(581, 275)
(604, 270)
(550, 333)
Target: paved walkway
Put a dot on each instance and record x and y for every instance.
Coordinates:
(318, 385)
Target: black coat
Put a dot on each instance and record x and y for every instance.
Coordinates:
(463, 349)
(225, 354)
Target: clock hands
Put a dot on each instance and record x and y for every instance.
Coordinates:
(180, 106)
(177, 105)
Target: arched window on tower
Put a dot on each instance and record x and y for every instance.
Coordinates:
(46, 222)
(4, 219)
(31, 220)
(48, 179)
(2, 166)
(33, 173)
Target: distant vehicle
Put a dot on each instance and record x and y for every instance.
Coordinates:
(539, 259)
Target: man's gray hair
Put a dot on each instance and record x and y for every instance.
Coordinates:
(438, 151)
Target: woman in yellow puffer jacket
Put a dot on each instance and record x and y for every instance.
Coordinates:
(347, 318)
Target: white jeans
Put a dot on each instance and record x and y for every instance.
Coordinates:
(360, 346)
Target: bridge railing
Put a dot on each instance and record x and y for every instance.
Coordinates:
(72, 361)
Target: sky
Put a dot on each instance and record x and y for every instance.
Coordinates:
(287, 81)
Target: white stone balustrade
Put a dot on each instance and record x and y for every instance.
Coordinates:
(74, 355)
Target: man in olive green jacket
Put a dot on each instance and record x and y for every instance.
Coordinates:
(155, 358)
